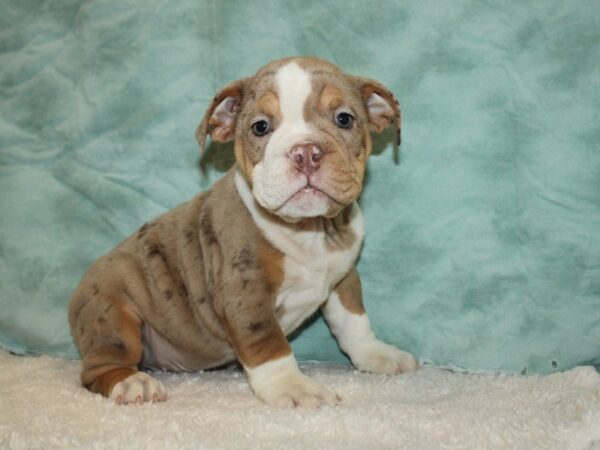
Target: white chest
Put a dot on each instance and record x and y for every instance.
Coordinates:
(308, 283)
(315, 259)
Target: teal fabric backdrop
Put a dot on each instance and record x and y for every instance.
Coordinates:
(483, 245)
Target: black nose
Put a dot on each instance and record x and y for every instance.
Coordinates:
(307, 157)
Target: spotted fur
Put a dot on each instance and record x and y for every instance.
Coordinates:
(229, 274)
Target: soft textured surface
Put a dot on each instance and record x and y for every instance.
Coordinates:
(482, 246)
(43, 406)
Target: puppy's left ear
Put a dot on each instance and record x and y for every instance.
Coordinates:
(381, 105)
(220, 117)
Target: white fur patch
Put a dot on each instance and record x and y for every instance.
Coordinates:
(280, 383)
(138, 388)
(294, 87)
(356, 338)
(275, 178)
(311, 269)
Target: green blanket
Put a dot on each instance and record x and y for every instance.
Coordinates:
(483, 244)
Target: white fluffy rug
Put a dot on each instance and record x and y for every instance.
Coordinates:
(43, 406)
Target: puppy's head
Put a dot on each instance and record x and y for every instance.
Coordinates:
(301, 128)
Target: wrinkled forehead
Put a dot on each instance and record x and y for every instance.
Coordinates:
(286, 85)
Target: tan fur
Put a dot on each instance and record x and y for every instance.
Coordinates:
(202, 279)
(350, 292)
(272, 263)
(330, 99)
(103, 384)
(269, 105)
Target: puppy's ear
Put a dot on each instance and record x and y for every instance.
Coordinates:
(381, 105)
(220, 117)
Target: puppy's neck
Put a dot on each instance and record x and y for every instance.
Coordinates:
(325, 224)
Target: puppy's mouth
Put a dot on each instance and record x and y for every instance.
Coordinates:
(309, 190)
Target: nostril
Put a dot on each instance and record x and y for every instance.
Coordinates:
(300, 155)
(306, 157)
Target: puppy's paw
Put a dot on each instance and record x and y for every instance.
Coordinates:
(297, 390)
(378, 357)
(138, 388)
(280, 383)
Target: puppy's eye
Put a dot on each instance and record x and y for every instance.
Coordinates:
(344, 120)
(261, 127)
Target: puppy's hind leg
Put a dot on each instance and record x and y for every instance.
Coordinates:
(108, 334)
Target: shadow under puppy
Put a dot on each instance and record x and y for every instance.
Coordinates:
(230, 273)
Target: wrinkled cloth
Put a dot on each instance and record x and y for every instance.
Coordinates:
(483, 244)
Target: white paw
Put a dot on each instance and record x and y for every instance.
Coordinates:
(297, 390)
(138, 388)
(280, 383)
(378, 357)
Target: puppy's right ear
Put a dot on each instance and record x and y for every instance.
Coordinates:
(220, 117)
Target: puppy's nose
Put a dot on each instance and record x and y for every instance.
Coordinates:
(306, 157)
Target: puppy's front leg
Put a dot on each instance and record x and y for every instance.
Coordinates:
(348, 321)
(266, 355)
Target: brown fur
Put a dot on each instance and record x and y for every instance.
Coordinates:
(202, 277)
(177, 273)
(103, 384)
(350, 292)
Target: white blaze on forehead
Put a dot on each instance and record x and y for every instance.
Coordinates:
(293, 86)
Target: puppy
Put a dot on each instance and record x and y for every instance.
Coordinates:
(229, 274)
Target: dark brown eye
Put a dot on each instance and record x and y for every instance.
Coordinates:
(261, 127)
(344, 120)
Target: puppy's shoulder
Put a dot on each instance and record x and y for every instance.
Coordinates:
(224, 215)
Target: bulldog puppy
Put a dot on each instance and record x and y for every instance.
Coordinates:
(229, 274)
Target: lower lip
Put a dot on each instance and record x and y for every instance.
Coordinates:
(308, 192)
